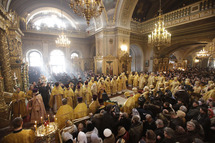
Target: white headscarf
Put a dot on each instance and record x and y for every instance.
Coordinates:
(82, 138)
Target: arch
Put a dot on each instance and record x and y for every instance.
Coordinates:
(137, 58)
(34, 58)
(57, 61)
(78, 54)
(35, 12)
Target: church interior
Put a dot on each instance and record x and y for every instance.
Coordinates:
(112, 71)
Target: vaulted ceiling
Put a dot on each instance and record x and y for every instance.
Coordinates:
(24, 7)
(147, 9)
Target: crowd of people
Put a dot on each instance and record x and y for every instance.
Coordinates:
(167, 107)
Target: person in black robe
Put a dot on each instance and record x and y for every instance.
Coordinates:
(44, 91)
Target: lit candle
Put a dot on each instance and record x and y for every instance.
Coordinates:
(48, 118)
(41, 120)
(56, 120)
(35, 126)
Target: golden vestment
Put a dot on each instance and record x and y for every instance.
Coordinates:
(119, 85)
(38, 109)
(69, 95)
(56, 97)
(136, 96)
(65, 112)
(129, 105)
(107, 87)
(197, 89)
(114, 86)
(209, 94)
(124, 79)
(130, 79)
(174, 84)
(94, 106)
(141, 82)
(94, 89)
(160, 79)
(146, 96)
(151, 80)
(79, 93)
(29, 94)
(24, 136)
(135, 81)
(87, 94)
(80, 110)
(18, 104)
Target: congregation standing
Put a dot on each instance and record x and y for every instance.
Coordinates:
(172, 106)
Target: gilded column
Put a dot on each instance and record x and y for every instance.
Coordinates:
(5, 60)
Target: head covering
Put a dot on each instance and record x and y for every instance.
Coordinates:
(90, 126)
(94, 97)
(127, 94)
(134, 89)
(82, 138)
(35, 90)
(66, 136)
(121, 131)
(151, 86)
(181, 114)
(183, 108)
(80, 99)
(107, 132)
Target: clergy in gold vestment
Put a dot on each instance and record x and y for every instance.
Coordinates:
(29, 94)
(210, 94)
(79, 92)
(174, 84)
(37, 107)
(69, 95)
(56, 97)
(64, 113)
(108, 86)
(146, 93)
(92, 82)
(124, 80)
(119, 85)
(81, 109)
(114, 85)
(197, 91)
(129, 105)
(87, 93)
(151, 79)
(136, 96)
(130, 79)
(141, 81)
(19, 135)
(135, 81)
(18, 104)
(160, 79)
(94, 106)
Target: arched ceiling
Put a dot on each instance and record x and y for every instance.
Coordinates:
(147, 9)
(24, 7)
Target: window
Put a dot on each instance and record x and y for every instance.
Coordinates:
(35, 59)
(57, 61)
(74, 55)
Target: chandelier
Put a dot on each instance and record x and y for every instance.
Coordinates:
(62, 41)
(159, 36)
(87, 8)
(203, 54)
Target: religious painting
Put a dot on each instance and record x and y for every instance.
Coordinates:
(147, 63)
(109, 67)
(99, 67)
(110, 8)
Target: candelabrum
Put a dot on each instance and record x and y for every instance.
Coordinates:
(47, 129)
